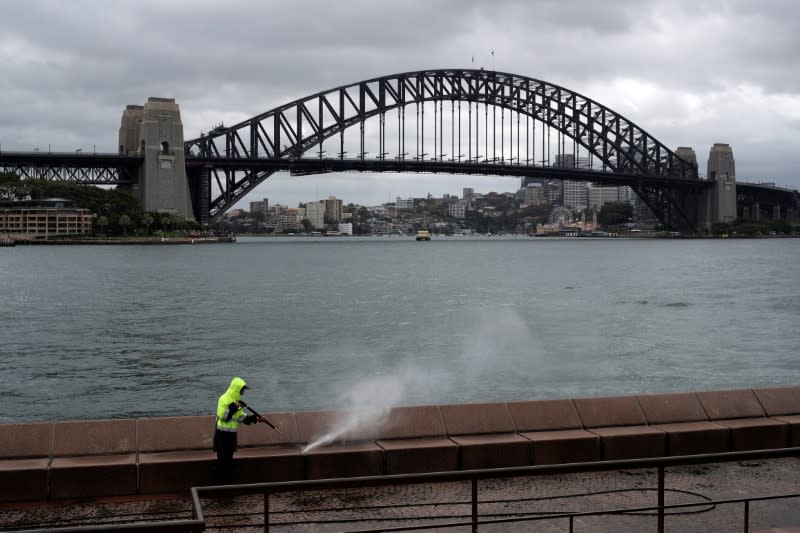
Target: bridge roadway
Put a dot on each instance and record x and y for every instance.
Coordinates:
(116, 169)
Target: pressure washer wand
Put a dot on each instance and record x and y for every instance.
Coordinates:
(270, 424)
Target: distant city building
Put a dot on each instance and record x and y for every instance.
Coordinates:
(44, 218)
(534, 194)
(576, 194)
(564, 161)
(315, 213)
(553, 191)
(404, 205)
(261, 206)
(333, 209)
(458, 209)
(601, 195)
(345, 228)
(467, 194)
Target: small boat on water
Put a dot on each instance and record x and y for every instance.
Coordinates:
(423, 235)
(7, 242)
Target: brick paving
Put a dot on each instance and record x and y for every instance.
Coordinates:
(416, 505)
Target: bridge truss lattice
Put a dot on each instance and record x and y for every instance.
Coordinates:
(455, 121)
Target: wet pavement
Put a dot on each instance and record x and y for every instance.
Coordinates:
(412, 506)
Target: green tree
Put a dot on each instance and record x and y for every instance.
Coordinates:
(101, 224)
(308, 227)
(124, 223)
(614, 213)
(147, 221)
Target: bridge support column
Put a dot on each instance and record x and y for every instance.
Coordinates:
(155, 131)
(776, 212)
(720, 200)
(200, 186)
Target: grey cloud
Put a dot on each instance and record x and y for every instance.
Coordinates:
(71, 67)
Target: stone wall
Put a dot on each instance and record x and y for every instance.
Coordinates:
(78, 459)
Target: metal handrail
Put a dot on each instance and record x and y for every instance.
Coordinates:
(198, 521)
(660, 463)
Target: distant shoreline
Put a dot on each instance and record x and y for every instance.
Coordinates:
(133, 240)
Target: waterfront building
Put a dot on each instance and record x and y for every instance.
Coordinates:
(534, 194)
(458, 208)
(576, 194)
(601, 195)
(553, 191)
(260, 206)
(44, 218)
(333, 209)
(345, 228)
(404, 205)
(315, 213)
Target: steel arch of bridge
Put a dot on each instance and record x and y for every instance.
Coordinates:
(242, 156)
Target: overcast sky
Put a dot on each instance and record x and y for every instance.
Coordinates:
(691, 73)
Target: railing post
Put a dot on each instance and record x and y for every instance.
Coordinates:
(266, 511)
(746, 516)
(660, 499)
(474, 505)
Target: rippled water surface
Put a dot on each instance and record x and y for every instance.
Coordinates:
(116, 331)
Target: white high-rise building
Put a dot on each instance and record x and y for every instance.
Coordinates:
(576, 194)
(315, 213)
(404, 205)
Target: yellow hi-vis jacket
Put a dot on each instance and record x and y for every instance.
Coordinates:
(227, 418)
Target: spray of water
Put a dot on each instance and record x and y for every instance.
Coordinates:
(498, 348)
(366, 404)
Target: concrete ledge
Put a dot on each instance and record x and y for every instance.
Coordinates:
(611, 411)
(175, 471)
(689, 438)
(723, 405)
(349, 460)
(263, 465)
(794, 428)
(779, 401)
(171, 433)
(631, 442)
(756, 433)
(544, 415)
(93, 475)
(425, 454)
(493, 451)
(671, 408)
(19, 441)
(94, 437)
(94, 458)
(23, 479)
(312, 425)
(170, 454)
(477, 418)
(564, 446)
(25, 451)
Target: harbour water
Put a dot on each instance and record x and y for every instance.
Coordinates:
(130, 331)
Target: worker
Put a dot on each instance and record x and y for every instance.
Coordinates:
(230, 412)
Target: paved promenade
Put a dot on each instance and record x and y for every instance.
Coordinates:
(416, 505)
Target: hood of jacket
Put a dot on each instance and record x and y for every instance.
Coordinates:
(234, 392)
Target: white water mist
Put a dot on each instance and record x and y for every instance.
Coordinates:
(367, 403)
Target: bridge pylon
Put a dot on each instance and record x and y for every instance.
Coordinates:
(719, 201)
(155, 131)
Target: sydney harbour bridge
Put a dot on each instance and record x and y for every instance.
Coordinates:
(452, 121)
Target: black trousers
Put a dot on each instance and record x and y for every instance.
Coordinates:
(224, 445)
